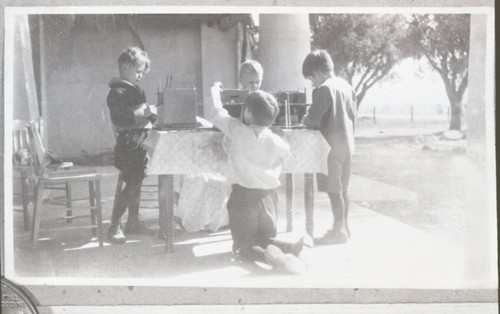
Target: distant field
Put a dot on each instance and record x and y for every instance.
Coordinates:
(400, 126)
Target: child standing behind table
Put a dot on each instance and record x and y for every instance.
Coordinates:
(256, 156)
(251, 75)
(132, 118)
(203, 197)
(333, 111)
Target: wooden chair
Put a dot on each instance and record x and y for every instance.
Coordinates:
(46, 177)
(23, 170)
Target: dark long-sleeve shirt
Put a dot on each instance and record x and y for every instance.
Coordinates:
(126, 103)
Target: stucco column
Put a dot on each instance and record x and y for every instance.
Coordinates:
(481, 244)
(284, 42)
(218, 57)
(480, 104)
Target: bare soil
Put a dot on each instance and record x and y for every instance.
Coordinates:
(421, 158)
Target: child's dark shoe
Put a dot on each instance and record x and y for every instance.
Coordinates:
(137, 226)
(288, 263)
(297, 247)
(305, 241)
(115, 234)
(308, 241)
(332, 237)
(305, 253)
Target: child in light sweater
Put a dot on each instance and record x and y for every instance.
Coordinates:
(203, 197)
(255, 157)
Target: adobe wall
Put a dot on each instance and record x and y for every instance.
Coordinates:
(79, 59)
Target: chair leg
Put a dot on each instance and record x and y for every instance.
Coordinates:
(98, 211)
(69, 203)
(36, 215)
(26, 199)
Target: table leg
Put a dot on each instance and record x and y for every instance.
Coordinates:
(166, 210)
(289, 201)
(309, 202)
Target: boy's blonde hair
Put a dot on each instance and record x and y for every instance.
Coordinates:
(251, 66)
(134, 56)
(317, 61)
(263, 107)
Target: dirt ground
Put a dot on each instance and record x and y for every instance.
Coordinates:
(422, 158)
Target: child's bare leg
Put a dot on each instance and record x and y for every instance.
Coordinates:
(346, 213)
(338, 233)
(133, 198)
(134, 224)
(338, 210)
(115, 233)
(119, 208)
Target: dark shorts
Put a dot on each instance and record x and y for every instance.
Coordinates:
(339, 174)
(131, 157)
(252, 217)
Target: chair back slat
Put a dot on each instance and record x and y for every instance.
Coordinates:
(21, 148)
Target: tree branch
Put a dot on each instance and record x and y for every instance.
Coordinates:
(378, 78)
(362, 78)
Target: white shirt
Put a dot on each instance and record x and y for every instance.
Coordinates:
(256, 154)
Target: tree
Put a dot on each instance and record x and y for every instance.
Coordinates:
(364, 47)
(444, 40)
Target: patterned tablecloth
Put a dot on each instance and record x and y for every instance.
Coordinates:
(205, 151)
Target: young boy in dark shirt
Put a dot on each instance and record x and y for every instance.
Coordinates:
(132, 118)
(333, 111)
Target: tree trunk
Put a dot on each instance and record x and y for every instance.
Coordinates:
(455, 116)
(359, 98)
(455, 98)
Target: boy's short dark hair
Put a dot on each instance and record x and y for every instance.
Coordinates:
(134, 56)
(318, 60)
(263, 107)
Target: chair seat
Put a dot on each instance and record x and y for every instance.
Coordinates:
(72, 175)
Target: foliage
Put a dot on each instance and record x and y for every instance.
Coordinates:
(364, 47)
(444, 40)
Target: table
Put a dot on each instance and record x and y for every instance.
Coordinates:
(176, 152)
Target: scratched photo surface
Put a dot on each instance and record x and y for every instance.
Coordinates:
(419, 201)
